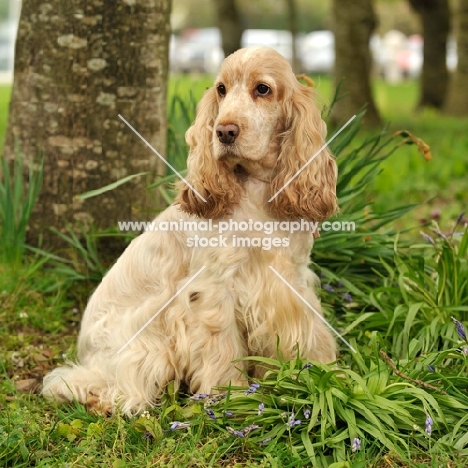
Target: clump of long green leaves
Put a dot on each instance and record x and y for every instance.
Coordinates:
(308, 413)
(422, 289)
(355, 255)
(17, 199)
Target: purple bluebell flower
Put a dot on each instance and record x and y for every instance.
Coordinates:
(252, 389)
(228, 413)
(247, 430)
(292, 421)
(210, 413)
(430, 368)
(356, 445)
(307, 413)
(175, 425)
(261, 408)
(429, 424)
(460, 328)
(234, 432)
(440, 234)
(308, 366)
(427, 238)
(347, 297)
(328, 287)
(199, 396)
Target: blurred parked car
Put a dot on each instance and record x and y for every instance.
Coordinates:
(317, 52)
(7, 45)
(410, 58)
(279, 40)
(452, 57)
(197, 50)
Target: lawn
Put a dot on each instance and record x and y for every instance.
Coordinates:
(400, 400)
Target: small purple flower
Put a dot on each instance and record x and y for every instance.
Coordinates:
(440, 234)
(429, 424)
(307, 413)
(228, 413)
(210, 413)
(252, 389)
(308, 366)
(460, 328)
(175, 425)
(235, 433)
(427, 238)
(356, 445)
(430, 368)
(261, 408)
(293, 422)
(199, 396)
(328, 287)
(247, 430)
(347, 297)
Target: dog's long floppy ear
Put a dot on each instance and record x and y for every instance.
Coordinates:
(208, 177)
(311, 193)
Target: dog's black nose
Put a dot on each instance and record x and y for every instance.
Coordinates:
(227, 133)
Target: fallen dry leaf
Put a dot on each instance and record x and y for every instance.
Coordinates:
(27, 385)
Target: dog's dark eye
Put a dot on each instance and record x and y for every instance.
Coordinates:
(221, 90)
(263, 89)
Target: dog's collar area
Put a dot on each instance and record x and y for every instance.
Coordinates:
(242, 174)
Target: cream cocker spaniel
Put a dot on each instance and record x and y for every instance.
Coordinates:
(254, 130)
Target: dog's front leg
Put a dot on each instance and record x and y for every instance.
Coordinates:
(211, 341)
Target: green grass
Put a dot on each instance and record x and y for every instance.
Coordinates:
(5, 93)
(383, 292)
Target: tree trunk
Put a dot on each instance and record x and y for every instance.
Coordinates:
(435, 19)
(457, 99)
(230, 25)
(77, 66)
(354, 21)
(292, 22)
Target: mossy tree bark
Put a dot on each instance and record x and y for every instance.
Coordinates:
(435, 19)
(78, 66)
(230, 25)
(354, 21)
(291, 8)
(457, 98)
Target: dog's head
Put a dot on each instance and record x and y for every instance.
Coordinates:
(259, 121)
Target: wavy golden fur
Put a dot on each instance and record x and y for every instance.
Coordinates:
(254, 130)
